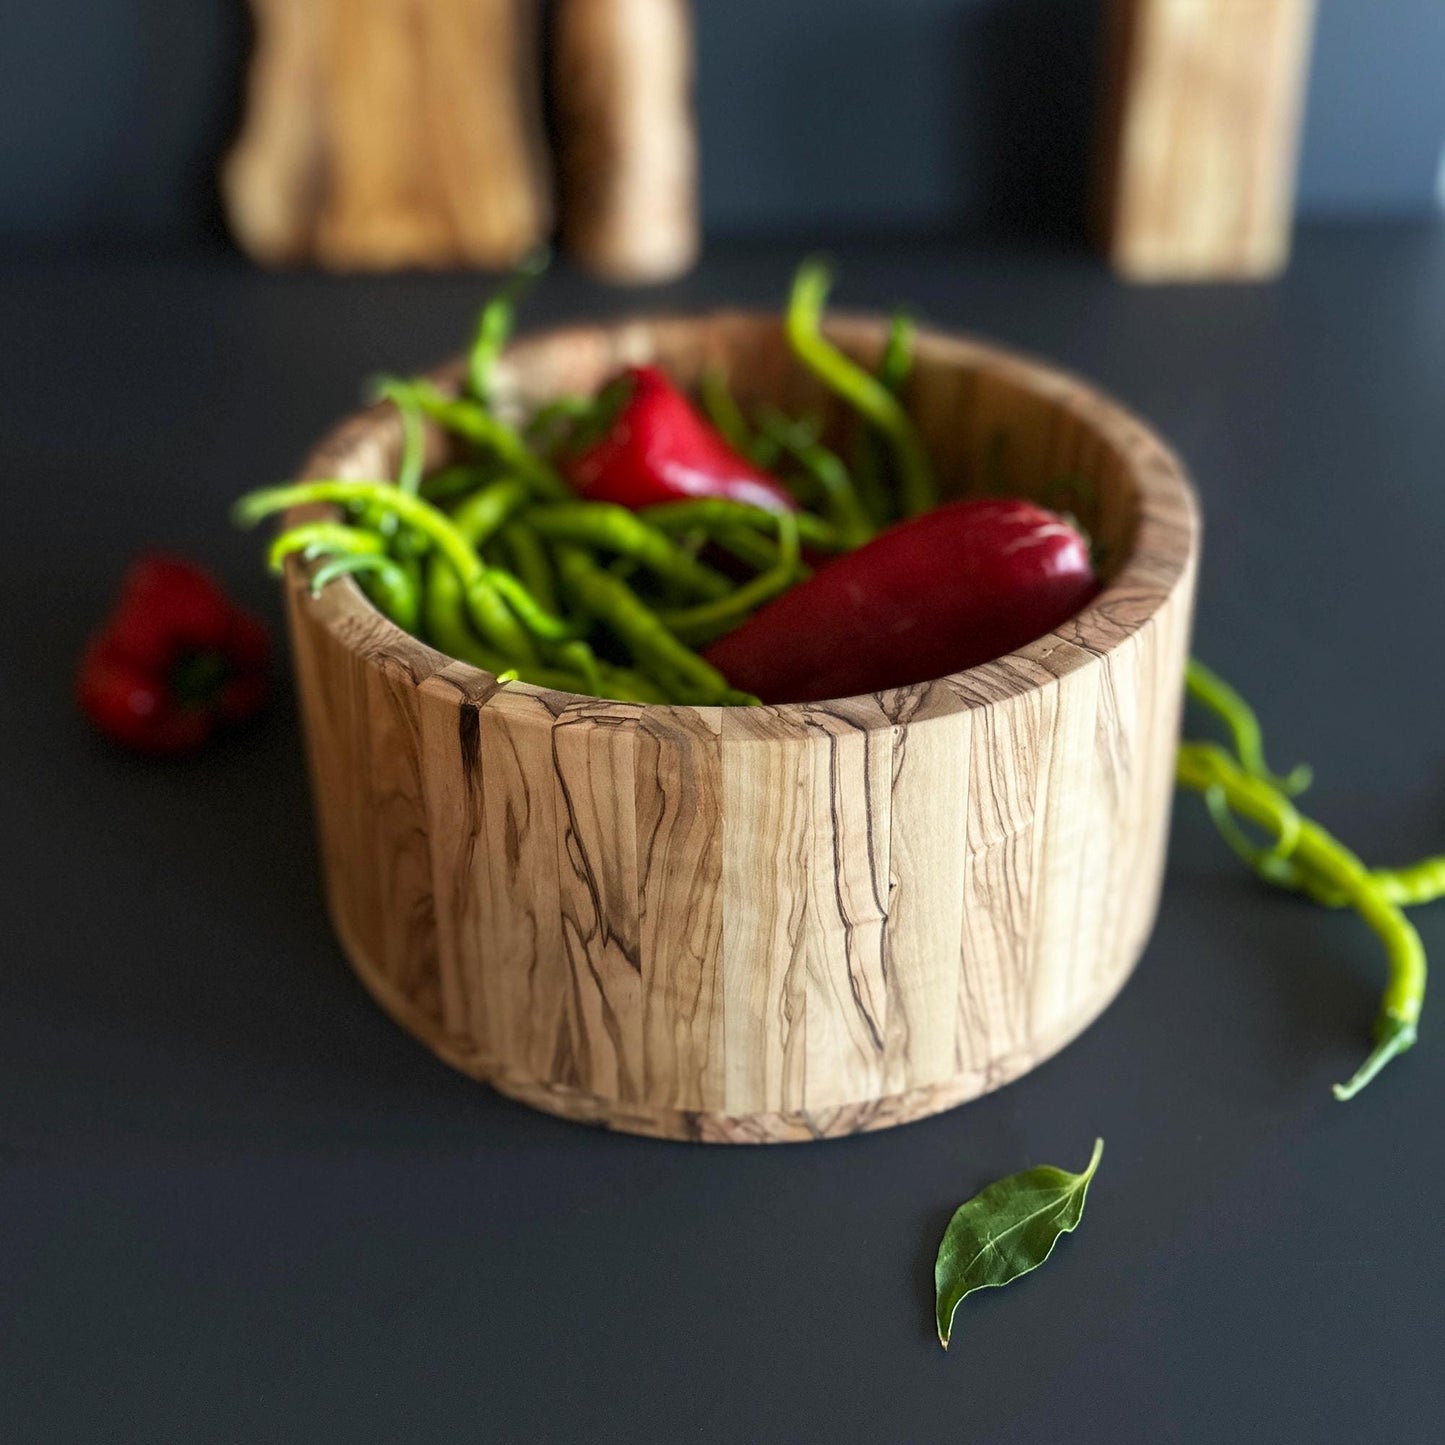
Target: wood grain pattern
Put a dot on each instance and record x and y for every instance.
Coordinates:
(390, 133)
(627, 144)
(756, 924)
(1202, 107)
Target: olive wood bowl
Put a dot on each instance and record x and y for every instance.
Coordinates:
(792, 922)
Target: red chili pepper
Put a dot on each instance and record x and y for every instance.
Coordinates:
(960, 585)
(660, 449)
(176, 660)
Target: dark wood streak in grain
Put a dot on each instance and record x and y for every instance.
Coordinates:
(679, 918)
(868, 1009)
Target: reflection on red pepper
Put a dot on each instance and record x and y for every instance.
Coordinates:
(660, 449)
(958, 586)
(176, 660)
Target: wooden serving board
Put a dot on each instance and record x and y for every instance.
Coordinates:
(1201, 137)
(627, 149)
(391, 133)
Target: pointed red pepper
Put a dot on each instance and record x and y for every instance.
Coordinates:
(659, 448)
(176, 661)
(953, 588)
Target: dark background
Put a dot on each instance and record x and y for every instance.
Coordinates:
(879, 115)
(237, 1204)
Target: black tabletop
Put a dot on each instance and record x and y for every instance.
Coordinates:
(238, 1204)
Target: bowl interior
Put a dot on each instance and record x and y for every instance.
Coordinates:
(994, 423)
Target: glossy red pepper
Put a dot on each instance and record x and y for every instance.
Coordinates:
(659, 448)
(960, 585)
(176, 661)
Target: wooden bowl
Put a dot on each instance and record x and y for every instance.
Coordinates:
(778, 923)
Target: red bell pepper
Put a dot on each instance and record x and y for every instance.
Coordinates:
(176, 661)
(955, 587)
(660, 449)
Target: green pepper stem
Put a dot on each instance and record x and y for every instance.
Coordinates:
(1209, 689)
(846, 512)
(470, 419)
(413, 432)
(1206, 767)
(863, 391)
(498, 318)
(1394, 1038)
(871, 446)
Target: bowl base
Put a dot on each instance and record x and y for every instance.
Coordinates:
(712, 1127)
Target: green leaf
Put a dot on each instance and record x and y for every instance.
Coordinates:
(1005, 1231)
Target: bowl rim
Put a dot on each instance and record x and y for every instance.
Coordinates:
(1161, 557)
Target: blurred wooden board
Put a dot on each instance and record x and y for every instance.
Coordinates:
(627, 144)
(391, 133)
(1201, 137)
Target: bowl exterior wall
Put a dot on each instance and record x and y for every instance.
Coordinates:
(739, 924)
(776, 923)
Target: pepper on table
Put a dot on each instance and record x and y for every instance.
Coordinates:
(659, 448)
(176, 661)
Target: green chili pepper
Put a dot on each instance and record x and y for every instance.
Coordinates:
(726, 415)
(315, 539)
(389, 586)
(479, 519)
(533, 616)
(750, 547)
(714, 514)
(493, 618)
(528, 559)
(1415, 883)
(1410, 886)
(446, 627)
(413, 432)
(497, 319)
(1207, 767)
(447, 630)
(1273, 863)
(615, 529)
(659, 654)
(458, 480)
(444, 617)
(846, 512)
(897, 360)
(711, 619)
(358, 494)
(470, 419)
(863, 391)
(1213, 692)
(486, 512)
(573, 423)
(723, 411)
(870, 456)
